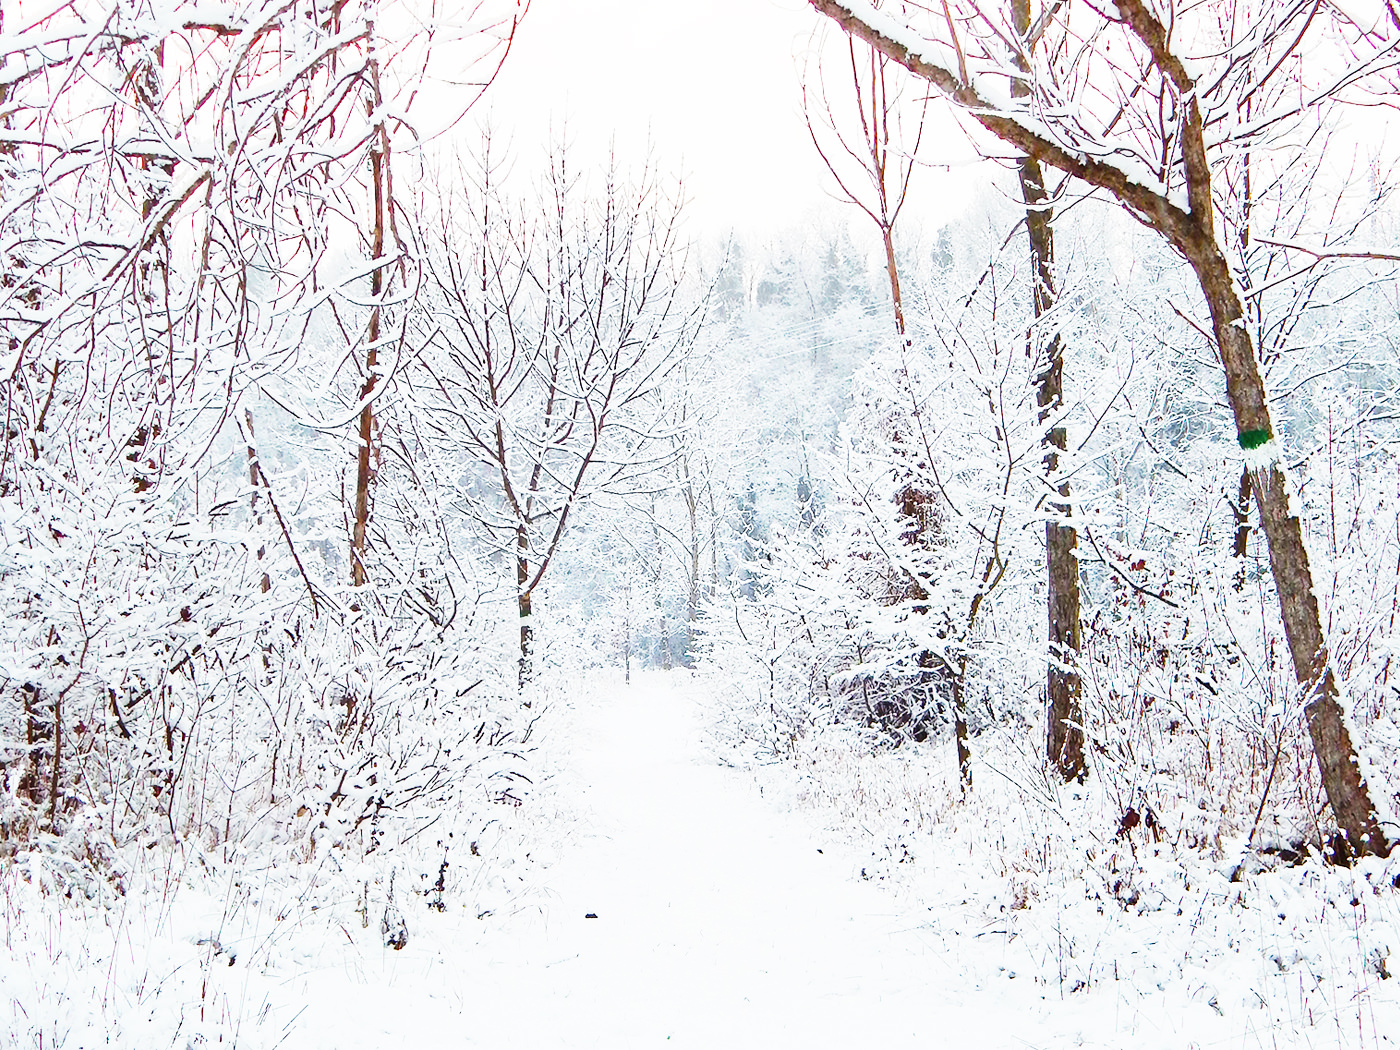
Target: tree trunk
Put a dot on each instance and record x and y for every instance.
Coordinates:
(255, 479)
(663, 631)
(1241, 544)
(54, 782)
(627, 633)
(1194, 236)
(1064, 740)
(960, 730)
(527, 629)
(712, 584)
(692, 611)
(1064, 717)
(366, 434)
(36, 729)
(1192, 233)
(896, 297)
(1347, 791)
(1065, 731)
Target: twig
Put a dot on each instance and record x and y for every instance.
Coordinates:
(1123, 576)
(1259, 813)
(1323, 254)
(287, 535)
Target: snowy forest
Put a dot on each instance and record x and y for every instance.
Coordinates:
(446, 598)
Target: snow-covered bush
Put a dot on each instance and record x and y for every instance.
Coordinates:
(195, 240)
(882, 617)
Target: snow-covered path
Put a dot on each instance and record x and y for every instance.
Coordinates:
(723, 921)
(720, 924)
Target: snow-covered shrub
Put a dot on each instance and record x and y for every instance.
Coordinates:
(182, 661)
(883, 616)
(157, 693)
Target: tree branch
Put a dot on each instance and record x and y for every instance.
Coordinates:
(1151, 208)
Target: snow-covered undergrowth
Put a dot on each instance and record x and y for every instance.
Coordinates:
(643, 890)
(186, 944)
(1050, 885)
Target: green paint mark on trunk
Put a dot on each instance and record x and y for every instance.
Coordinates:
(1252, 439)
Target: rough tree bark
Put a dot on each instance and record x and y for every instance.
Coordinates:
(1191, 231)
(1064, 718)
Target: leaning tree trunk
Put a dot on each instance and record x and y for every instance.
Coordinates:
(1195, 237)
(1346, 787)
(1064, 729)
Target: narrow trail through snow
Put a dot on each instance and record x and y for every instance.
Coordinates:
(721, 922)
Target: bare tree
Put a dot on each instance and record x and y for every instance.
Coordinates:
(1130, 117)
(873, 170)
(181, 186)
(250, 147)
(862, 139)
(549, 330)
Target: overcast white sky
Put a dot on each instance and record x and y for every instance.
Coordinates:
(713, 84)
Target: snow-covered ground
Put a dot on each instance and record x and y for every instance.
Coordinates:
(672, 900)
